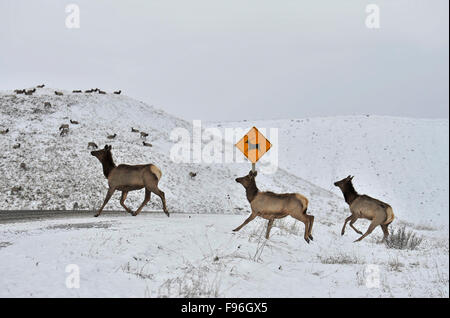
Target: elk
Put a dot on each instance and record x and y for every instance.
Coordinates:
(118, 92)
(92, 145)
(4, 132)
(147, 144)
(271, 206)
(29, 92)
(89, 91)
(59, 93)
(40, 86)
(64, 126)
(192, 174)
(101, 92)
(134, 130)
(16, 146)
(76, 91)
(365, 207)
(47, 104)
(19, 91)
(127, 178)
(111, 136)
(144, 135)
(74, 122)
(64, 131)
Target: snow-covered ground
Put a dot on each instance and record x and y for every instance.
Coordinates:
(198, 255)
(194, 253)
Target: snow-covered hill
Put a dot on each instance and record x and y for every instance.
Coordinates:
(60, 173)
(401, 161)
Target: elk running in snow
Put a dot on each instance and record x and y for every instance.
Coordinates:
(127, 178)
(271, 206)
(365, 207)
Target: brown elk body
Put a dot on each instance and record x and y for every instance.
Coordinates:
(76, 91)
(41, 86)
(134, 130)
(147, 144)
(74, 122)
(271, 206)
(118, 92)
(365, 207)
(127, 178)
(144, 135)
(111, 136)
(58, 93)
(64, 126)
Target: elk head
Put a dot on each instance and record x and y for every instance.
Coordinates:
(342, 183)
(248, 179)
(102, 154)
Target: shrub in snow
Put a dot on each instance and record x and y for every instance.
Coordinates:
(402, 239)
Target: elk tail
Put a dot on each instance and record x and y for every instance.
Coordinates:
(389, 215)
(155, 170)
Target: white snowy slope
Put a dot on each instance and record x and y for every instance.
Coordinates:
(402, 161)
(61, 174)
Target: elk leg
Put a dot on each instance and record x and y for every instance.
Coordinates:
(250, 218)
(269, 227)
(161, 194)
(384, 227)
(146, 199)
(306, 220)
(372, 226)
(351, 225)
(108, 196)
(345, 223)
(122, 202)
(311, 221)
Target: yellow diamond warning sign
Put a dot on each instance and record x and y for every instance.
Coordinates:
(253, 145)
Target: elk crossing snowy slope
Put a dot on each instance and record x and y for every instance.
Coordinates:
(402, 161)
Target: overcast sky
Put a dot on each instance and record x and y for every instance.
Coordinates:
(237, 59)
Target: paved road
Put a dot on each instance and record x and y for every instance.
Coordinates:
(35, 215)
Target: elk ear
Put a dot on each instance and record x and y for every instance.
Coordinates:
(255, 173)
(106, 147)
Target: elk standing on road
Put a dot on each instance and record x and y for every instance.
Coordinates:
(127, 178)
(363, 206)
(270, 206)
